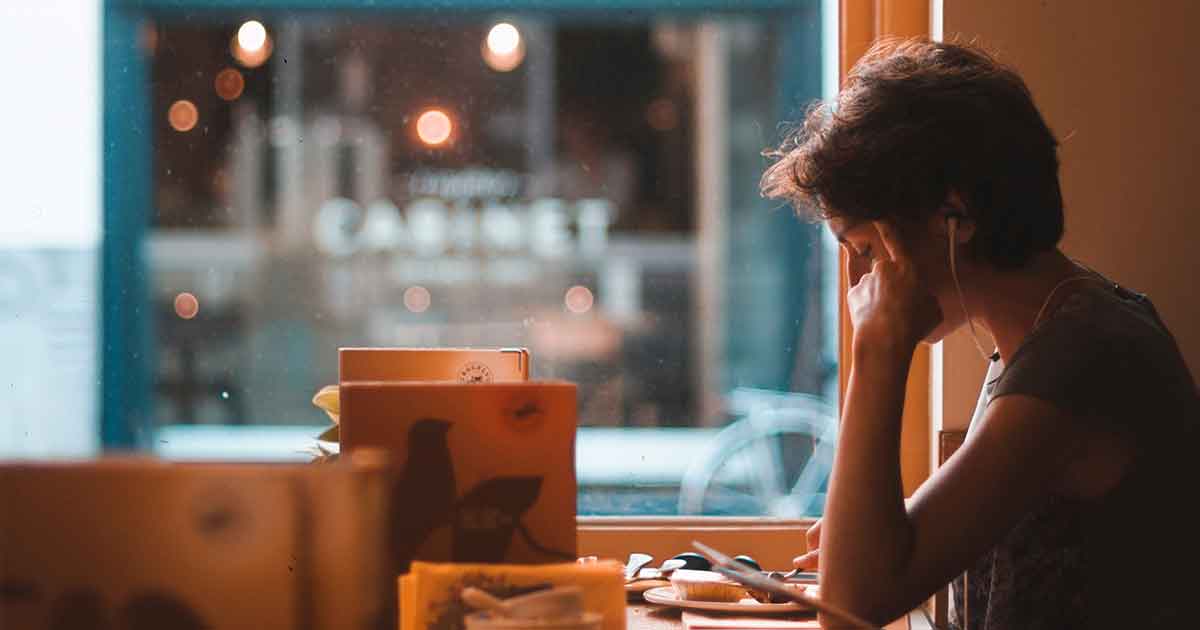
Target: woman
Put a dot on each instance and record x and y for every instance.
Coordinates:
(939, 177)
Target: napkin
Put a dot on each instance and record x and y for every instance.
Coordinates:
(429, 594)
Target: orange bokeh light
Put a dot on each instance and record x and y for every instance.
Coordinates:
(186, 305)
(579, 299)
(183, 115)
(229, 84)
(417, 299)
(434, 127)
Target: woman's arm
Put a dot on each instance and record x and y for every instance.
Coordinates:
(880, 558)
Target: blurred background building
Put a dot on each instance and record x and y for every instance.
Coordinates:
(251, 185)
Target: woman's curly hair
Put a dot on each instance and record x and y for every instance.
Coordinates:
(915, 121)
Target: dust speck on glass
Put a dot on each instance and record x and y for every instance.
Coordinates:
(579, 181)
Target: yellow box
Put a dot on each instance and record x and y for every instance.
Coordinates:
(430, 593)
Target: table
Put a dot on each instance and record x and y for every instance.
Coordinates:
(643, 616)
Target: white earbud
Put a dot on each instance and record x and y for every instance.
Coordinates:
(952, 221)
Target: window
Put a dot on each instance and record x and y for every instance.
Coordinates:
(578, 180)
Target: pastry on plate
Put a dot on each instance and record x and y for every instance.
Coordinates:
(706, 586)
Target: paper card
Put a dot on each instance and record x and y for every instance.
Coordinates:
(486, 471)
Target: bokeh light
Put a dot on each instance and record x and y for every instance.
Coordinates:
(417, 299)
(434, 127)
(229, 84)
(503, 39)
(579, 299)
(252, 36)
(186, 305)
(503, 49)
(251, 45)
(183, 115)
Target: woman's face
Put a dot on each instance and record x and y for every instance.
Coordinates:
(927, 244)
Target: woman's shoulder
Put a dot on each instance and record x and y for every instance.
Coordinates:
(1104, 351)
(1099, 321)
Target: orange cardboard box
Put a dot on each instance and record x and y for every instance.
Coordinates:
(464, 365)
(137, 542)
(486, 471)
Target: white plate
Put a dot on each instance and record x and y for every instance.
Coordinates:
(666, 596)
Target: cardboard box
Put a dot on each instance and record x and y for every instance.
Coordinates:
(487, 471)
(134, 543)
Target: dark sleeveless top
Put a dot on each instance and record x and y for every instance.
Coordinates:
(1128, 559)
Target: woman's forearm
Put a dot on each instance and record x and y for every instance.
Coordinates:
(866, 537)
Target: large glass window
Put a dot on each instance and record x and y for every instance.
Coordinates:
(582, 182)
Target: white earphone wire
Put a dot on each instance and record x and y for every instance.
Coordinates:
(953, 221)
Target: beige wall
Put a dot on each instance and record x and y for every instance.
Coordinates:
(1120, 85)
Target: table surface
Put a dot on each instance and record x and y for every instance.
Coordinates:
(654, 617)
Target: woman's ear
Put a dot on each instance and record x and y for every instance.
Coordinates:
(952, 217)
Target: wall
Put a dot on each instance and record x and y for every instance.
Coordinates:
(1117, 82)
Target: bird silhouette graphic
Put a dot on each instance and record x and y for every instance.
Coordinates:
(482, 523)
(424, 493)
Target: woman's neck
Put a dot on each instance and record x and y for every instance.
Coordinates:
(1008, 303)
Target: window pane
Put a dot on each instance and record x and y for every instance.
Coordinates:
(581, 184)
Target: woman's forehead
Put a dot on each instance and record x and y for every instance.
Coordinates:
(843, 229)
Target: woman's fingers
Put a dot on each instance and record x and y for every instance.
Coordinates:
(810, 560)
(891, 241)
(813, 535)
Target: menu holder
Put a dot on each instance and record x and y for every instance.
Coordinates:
(486, 472)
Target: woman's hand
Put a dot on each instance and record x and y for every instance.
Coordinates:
(811, 559)
(889, 307)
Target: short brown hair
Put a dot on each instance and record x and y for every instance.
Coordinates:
(915, 121)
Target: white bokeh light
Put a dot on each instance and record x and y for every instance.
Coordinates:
(503, 39)
(252, 36)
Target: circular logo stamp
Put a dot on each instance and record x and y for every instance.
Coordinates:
(474, 372)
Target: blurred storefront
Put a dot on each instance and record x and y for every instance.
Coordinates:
(285, 178)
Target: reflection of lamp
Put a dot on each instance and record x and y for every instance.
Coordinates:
(503, 49)
(579, 299)
(251, 46)
(229, 84)
(183, 115)
(417, 299)
(252, 36)
(434, 127)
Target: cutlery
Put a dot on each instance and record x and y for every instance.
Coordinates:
(661, 573)
(635, 564)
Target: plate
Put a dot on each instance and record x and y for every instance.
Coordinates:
(666, 596)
